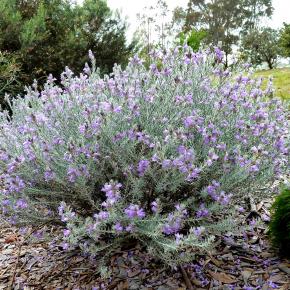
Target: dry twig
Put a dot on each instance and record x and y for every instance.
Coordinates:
(186, 279)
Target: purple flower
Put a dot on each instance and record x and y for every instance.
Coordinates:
(202, 211)
(68, 216)
(241, 209)
(135, 60)
(166, 163)
(11, 167)
(153, 129)
(112, 191)
(101, 287)
(198, 231)
(188, 60)
(118, 227)
(213, 156)
(178, 238)
(154, 206)
(61, 209)
(68, 157)
(3, 155)
(6, 202)
(211, 190)
(209, 162)
(129, 228)
(254, 168)
(66, 232)
(218, 54)
(167, 71)
(117, 109)
(83, 129)
(49, 175)
(106, 106)
(84, 171)
(272, 284)
(265, 218)
(181, 210)
(172, 228)
(155, 158)
(73, 174)
(21, 204)
(134, 211)
(65, 246)
(221, 146)
(173, 225)
(224, 199)
(193, 174)
(253, 222)
(189, 122)
(143, 166)
(14, 184)
(102, 215)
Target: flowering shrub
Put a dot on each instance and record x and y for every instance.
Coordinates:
(160, 155)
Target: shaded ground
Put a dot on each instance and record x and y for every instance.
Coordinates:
(281, 80)
(29, 261)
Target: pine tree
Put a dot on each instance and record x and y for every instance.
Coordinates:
(46, 36)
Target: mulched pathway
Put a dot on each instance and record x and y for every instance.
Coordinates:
(35, 260)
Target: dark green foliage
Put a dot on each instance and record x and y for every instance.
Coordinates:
(285, 40)
(47, 35)
(280, 223)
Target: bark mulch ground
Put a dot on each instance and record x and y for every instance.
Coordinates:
(35, 260)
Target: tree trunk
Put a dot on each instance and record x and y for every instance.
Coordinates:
(226, 60)
(270, 65)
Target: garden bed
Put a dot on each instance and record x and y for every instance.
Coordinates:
(35, 260)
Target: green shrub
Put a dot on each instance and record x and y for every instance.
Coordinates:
(280, 222)
(194, 38)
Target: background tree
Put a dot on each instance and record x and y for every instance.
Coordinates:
(254, 11)
(260, 46)
(223, 20)
(47, 35)
(285, 40)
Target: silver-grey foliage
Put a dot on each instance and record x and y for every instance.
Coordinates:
(162, 154)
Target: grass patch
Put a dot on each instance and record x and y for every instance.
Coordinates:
(281, 80)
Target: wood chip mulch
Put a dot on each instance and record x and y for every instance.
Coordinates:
(36, 260)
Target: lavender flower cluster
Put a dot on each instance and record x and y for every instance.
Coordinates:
(161, 154)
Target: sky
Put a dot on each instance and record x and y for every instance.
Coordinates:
(130, 8)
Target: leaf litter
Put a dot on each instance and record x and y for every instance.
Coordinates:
(34, 259)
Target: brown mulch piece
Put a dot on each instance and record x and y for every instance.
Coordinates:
(36, 260)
